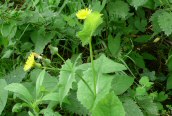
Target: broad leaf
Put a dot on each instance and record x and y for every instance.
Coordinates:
(21, 91)
(110, 105)
(39, 82)
(16, 75)
(165, 22)
(85, 93)
(51, 96)
(66, 78)
(3, 95)
(41, 38)
(121, 83)
(106, 65)
(90, 25)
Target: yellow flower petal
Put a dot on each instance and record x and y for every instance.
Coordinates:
(29, 63)
(83, 13)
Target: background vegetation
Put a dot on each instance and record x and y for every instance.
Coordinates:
(116, 62)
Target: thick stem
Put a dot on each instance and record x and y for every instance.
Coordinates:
(93, 69)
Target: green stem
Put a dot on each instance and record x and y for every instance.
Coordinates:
(60, 57)
(93, 69)
(64, 4)
(127, 67)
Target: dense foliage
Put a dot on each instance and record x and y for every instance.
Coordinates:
(85, 57)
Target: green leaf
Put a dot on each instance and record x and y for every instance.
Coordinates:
(39, 82)
(141, 91)
(144, 81)
(3, 95)
(41, 38)
(138, 59)
(7, 54)
(49, 112)
(16, 75)
(138, 3)
(131, 108)
(85, 93)
(106, 65)
(154, 18)
(162, 96)
(17, 107)
(143, 39)
(66, 78)
(148, 56)
(165, 22)
(8, 30)
(51, 96)
(114, 45)
(74, 106)
(119, 9)
(140, 24)
(20, 90)
(121, 83)
(146, 103)
(90, 25)
(169, 82)
(97, 6)
(110, 105)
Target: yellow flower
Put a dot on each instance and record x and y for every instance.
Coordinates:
(30, 62)
(83, 13)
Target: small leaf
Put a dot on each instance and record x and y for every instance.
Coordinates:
(141, 91)
(7, 54)
(169, 82)
(110, 105)
(114, 45)
(17, 107)
(121, 83)
(9, 29)
(162, 96)
(3, 95)
(144, 81)
(138, 59)
(21, 91)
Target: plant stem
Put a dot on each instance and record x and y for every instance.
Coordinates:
(60, 57)
(93, 69)
(64, 4)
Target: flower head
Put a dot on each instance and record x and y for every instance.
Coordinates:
(30, 62)
(83, 13)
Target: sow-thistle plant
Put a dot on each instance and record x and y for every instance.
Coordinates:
(83, 13)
